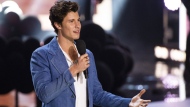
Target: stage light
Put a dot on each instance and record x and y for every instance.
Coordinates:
(12, 9)
(161, 69)
(161, 52)
(171, 81)
(177, 55)
(183, 27)
(103, 15)
(46, 25)
(165, 53)
(9, 4)
(12, 6)
(172, 4)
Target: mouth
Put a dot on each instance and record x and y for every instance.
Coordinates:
(77, 31)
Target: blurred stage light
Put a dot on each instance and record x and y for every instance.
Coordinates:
(161, 52)
(135, 87)
(12, 7)
(178, 93)
(171, 81)
(103, 16)
(178, 71)
(183, 27)
(169, 54)
(9, 3)
(172, 4)
(46, 24)
(170, 97)
(177, 55)
(161, 69)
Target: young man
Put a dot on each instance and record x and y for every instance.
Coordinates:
(57, 68)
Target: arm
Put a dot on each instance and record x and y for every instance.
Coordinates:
(101, 97)
(107, 99)
(45, 86)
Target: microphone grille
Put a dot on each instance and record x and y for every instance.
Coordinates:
(81, 46)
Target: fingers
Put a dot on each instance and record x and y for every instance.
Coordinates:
(143, 105)
(86, 59)
(146, 101)
(84, 56)
(141, 92)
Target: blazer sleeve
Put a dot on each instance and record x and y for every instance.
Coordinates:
(46, 88)
(104, 98)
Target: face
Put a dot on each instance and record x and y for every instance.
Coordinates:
(70, 26)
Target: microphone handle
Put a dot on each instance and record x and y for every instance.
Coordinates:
(85, 73)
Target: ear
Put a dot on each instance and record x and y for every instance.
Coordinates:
(57, 25)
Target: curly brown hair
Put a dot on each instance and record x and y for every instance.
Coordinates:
(59, 10)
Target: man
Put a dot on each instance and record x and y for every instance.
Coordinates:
(57, 68)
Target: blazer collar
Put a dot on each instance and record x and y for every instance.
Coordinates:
(58, 60)
(53, 46)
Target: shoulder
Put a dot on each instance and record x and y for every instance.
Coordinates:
(41, 50)
(89, 52)
(50, 47)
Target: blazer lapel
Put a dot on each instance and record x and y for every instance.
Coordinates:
(58, 60)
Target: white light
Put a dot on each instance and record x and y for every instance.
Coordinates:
(182, 90)
(140, 87)
(12, 7)
(9, 4)
(161, 52)
(176, 71)
(45, 22)
(177, 55)
(103, 17)
(161, 70)
(172, 4)
(182, 27)
(174, 99)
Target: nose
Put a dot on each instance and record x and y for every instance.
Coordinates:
(78, 24)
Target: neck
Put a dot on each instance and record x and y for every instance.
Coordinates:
(65, 43)
(68, 47)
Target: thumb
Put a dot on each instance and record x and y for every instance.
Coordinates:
(141, 92)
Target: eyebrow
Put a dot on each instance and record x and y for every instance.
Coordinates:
(74, 19)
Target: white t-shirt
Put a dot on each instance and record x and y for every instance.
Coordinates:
(79, 84)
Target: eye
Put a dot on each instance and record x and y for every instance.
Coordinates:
(79, 20)
(71, 21)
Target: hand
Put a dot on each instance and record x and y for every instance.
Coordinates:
(138, 102)
(80, 65)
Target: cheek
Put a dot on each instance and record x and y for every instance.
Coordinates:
(67, 29)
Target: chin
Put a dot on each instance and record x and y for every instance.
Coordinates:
(76, 38)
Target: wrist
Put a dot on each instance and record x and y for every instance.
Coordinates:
(73, 71)
(131, 104)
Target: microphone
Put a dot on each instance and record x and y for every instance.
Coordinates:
(81, 47)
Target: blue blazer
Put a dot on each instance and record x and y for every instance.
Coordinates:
(54, 84)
